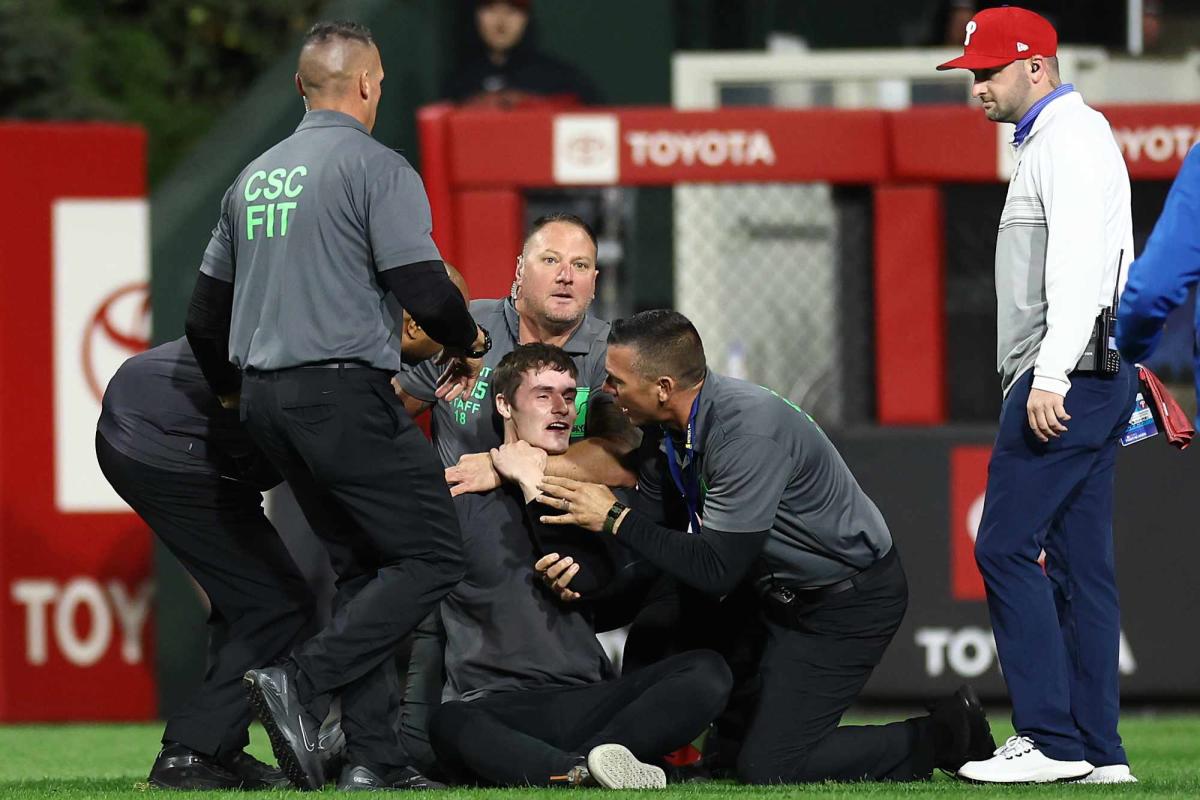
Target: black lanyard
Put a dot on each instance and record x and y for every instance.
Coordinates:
(689, 489)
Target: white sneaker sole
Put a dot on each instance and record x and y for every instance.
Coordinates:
(614, 767)
(1119, 774)
(1055, 775)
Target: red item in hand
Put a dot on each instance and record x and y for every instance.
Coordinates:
(1167, 414)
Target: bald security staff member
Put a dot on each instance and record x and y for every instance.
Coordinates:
(770, 502)
(311, 236)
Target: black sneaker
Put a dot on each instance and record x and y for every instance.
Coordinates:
(412, 778)
(290, 726)
(179, 767)
(331, 741)
(254, 773)
(358, 778)
(965, 729)
(361, 778)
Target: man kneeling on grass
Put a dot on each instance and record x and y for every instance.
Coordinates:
(536, 701)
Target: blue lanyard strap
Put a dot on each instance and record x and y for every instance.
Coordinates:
(689, 489)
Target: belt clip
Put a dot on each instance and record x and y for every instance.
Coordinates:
(782, 595)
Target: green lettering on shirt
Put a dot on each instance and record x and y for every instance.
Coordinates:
(792, 405)
(271, 219)
(581, 409)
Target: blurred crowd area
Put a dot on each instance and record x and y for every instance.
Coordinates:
(175, 66)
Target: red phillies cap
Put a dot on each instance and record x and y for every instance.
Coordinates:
(1000, 36)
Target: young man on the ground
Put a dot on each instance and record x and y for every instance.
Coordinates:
(533, 699)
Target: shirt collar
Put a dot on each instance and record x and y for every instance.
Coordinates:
(580, 342)
(1025, 126)
(325, 118)
(705, 402)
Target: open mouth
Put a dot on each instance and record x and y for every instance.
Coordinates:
(557, 426)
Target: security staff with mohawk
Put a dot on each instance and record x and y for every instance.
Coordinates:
(311, 236)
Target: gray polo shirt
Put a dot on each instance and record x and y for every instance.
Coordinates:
(765, 465)
(303, 232)
(159, 410)
(470, 424)
(504, 630)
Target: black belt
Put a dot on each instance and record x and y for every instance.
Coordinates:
(780, 595)
(340, 365)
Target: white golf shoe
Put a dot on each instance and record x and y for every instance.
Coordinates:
(1019, 761)
(1114, 773)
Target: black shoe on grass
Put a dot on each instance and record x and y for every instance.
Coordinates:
(292, 728)
(361, 778)
(964, 728)
(254, 773)
(179, 767)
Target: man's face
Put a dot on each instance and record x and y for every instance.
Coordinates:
(638, 397)
(501, 25)
(557, 277)
(543, 409)
(1003, 91)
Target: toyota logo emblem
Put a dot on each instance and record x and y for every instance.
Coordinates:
(119, 328)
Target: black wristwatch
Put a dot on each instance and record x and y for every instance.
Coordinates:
(487, 345)
(614, 513)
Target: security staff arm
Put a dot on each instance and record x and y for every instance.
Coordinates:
(712, 561)
(606, 455)
(1169, 266)
(209, 316)
(429, 296)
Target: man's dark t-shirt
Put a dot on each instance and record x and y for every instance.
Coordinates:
(504, 630)
(159, 410)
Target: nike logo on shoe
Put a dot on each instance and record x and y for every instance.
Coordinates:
(309, 746)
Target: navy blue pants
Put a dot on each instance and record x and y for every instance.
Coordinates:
(1058, 630)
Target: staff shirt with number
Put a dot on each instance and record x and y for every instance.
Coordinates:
(471, 424)
(304, 232)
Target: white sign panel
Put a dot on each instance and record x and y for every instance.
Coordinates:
(101, 252)
(586, 149)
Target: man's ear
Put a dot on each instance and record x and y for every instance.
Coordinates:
(364, 84)
(517, 276)
(666, 387)
(502, 407)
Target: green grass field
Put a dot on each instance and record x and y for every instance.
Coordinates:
(111, 761)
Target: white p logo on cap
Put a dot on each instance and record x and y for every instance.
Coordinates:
(1022, 47)
(971, 28)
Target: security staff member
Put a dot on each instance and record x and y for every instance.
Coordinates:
(310, 236)
(769, 501)
(190, 470)
(533, 699)
(1065, 234)
(552, 294)
(1168, 268)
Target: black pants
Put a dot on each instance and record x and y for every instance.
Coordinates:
(522, 738)
(261, 605)
(812, 671)
(374, 492)
(676, 618)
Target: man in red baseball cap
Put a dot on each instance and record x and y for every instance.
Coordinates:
(1005, 48)
(1064, 239)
